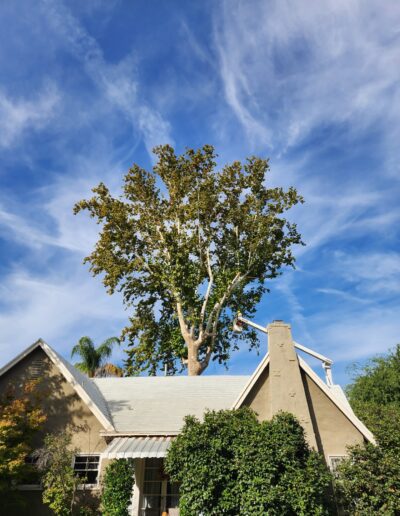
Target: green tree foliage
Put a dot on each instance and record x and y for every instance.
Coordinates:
(20, 419)
(369, 481)
(187, 245)
(117, 487)
(59, 483)
(370, 478)
(231, 464)
(93, 359)
(375, 397)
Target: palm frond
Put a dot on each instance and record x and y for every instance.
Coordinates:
(86, 350)
(82, 367)
(105, 349)
(83, 343)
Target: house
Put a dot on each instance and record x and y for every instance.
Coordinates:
(138, 417)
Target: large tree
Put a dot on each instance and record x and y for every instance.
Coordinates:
(188, 245)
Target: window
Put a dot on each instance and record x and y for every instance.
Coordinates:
(334, 461)
(31, 476)
(159, 494)
(86, 467)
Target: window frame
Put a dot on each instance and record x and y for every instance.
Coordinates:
(87, 485)
(163, 481)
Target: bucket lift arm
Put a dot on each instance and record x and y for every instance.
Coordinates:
(240, 321)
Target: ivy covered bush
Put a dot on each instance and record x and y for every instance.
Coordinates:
(117, 487)
(232, 464)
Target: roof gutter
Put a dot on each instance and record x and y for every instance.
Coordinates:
(104, 433)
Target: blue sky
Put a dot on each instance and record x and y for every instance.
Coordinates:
(88, 88)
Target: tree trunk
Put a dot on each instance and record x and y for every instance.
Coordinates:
(194, 366)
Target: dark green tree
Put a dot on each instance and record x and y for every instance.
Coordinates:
(187, 245)
(117, 487)
(375, 397)
(370, 479)
(93, 359)
(231, 464)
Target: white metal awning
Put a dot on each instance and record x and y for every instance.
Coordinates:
(137, 447)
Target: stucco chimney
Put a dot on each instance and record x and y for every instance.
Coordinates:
(287, 389)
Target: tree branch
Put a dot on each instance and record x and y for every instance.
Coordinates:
(209, 287)
(161, 235)
(219, 305)
(182, 323)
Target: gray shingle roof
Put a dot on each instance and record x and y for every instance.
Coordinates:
(158, 405)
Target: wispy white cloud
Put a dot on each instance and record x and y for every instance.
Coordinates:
(118, 82)
(60, 307)
(343, 295)
(290, 67)
(48, 220)
(279, 72)
(17, 229)
(298, 319)
(374, 273)
(357, 334)
(20, 115)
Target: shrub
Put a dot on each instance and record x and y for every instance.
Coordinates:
(59, 481)
(117, 487)
(369, 480)
(20, 419)
(231, 464)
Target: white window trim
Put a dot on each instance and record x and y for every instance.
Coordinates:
(88, 487)
(80, 487)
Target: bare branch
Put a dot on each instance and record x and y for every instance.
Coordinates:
(162, 237)
(215, 312)
(209, 287)
(182, 323)
(206, 360)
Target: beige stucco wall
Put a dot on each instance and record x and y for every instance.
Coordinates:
(63, 407)
(334, 431)
(258, 398)
(65, 411)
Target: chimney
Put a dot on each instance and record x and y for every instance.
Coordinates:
(287, 389)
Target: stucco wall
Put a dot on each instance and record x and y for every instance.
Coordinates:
(63, 407)
(334, 431)
(65, 411)
(259, 397)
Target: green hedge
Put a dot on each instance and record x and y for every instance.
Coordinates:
(231, 464)
(117, 487)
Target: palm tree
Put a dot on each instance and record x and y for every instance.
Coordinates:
(93, 359)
